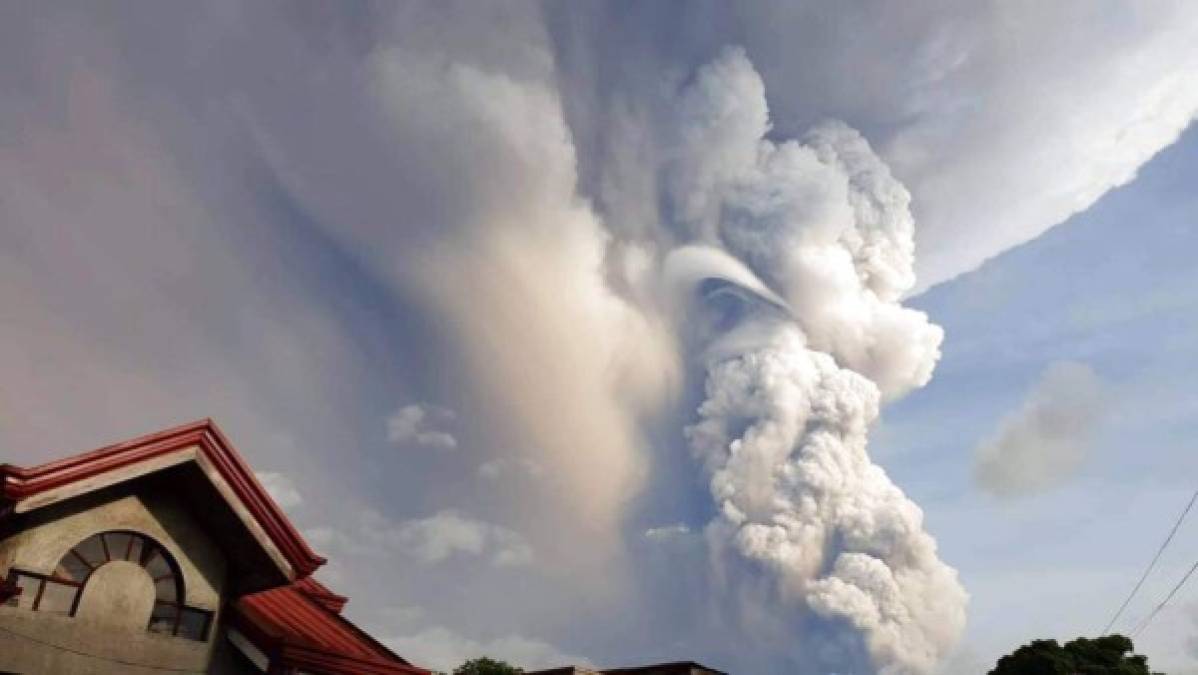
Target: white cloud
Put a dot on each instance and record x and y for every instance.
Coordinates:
(402, 615)
(441, 649)
(498, 467)
(823, 222)
(435, 539)
(1044, 442)
(422, 424)
(320, 535)
(665, 532)
(281, 489)
(447, 533)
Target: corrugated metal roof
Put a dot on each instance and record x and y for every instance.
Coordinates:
(290, 623)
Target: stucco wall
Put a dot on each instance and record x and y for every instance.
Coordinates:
(115, 644)
(52, 531)
(26, 639)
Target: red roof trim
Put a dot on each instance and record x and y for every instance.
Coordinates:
(335, 664)
(18, 484)
(289, 625)
(320, 594)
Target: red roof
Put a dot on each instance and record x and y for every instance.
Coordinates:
(298, 626)
(322, 595)
(20, 484)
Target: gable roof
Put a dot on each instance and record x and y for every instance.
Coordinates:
(296, 624)
(200, 443)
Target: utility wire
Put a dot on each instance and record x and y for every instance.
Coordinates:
(1151, 565)
(1148, 619)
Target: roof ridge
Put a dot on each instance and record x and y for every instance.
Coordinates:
(18, 484)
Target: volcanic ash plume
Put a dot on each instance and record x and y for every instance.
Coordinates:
(791, 391)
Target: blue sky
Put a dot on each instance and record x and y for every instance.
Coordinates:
(1114, 288)
(444, 273)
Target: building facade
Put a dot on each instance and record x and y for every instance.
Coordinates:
(165, 555)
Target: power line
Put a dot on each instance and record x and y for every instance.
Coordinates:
(1148, 619)
(1151, 565)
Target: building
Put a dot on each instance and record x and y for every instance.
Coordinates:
(673, 668)
(165, 554)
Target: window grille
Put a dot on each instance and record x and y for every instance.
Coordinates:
(59, 593)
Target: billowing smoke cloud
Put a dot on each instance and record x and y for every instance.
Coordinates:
(546, 201)
(797, 254)
(822, 221)
(538, 297)
(1045, 441)
(791, 391)
(568, 330)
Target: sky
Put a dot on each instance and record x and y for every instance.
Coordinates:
(788, 337)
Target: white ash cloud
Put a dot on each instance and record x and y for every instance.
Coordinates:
(550, 301)
(799, 496)
(969, 104)
(822, 221)
(559, 362)
(434, 149)
(422, 425)
(1045, 441)
(562, 322)
(791, 394)
(1023, 76)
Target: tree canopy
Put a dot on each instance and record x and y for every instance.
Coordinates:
(1108, 655)
(487, 666)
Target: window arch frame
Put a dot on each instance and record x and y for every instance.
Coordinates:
(75, 568)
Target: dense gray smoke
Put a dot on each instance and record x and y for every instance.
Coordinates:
(792, 389)
(575, 330)
(798, 253)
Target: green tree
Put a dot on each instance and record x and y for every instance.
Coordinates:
(1108, 655)
(487, 666)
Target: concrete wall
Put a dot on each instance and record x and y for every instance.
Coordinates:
(45, 644)
(52, 531)
(108, 635)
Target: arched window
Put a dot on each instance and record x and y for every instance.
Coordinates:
(60, 592)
